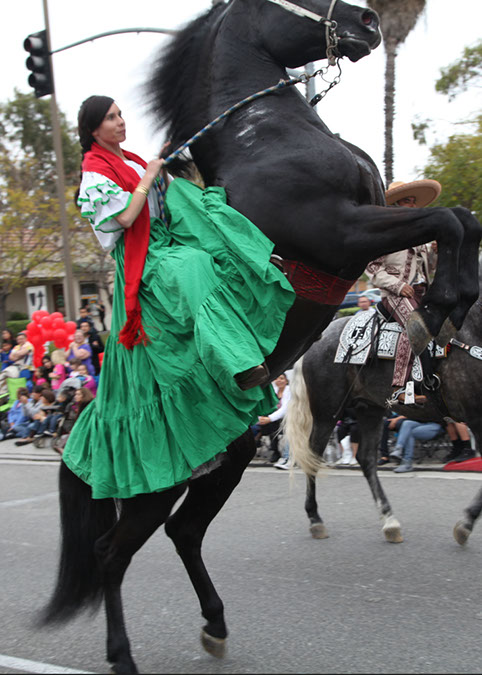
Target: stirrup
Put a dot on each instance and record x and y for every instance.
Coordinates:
(398, 397)
(433, 383)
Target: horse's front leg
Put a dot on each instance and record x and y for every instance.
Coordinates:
(140, 517)
(373, 231)
(370, 432)
(187, 527)
(468, 274)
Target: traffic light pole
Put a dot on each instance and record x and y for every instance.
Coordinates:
(57, 137)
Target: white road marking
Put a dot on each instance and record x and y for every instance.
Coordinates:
(29, 500)
(27, 666)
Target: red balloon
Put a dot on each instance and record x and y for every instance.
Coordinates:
(71, 327)
(37, 341)
(32, 329)
(58, 322)
(57, 315)
(59, 337)
(46, 322)
(36, 316)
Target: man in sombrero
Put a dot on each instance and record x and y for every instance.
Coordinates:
(403, 278)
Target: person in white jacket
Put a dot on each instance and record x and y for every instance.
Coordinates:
(269, 425)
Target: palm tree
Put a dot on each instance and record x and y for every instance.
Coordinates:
(397, 19)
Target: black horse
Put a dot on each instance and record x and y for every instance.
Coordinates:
(321, 388)
(319, 199)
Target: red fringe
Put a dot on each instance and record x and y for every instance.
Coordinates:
(133, 332)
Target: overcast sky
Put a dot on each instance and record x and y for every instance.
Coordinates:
(116, 65)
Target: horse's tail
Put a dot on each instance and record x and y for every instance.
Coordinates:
(83, 520)
(298, 423)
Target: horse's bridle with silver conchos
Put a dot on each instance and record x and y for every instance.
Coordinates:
(330, 25)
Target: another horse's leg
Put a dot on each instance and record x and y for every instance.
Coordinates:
(139, 519)
(370, 427)
(464, 527)
(187, 527)
(468, 275)
(317, 526)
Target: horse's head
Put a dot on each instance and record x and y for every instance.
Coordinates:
(296, 32)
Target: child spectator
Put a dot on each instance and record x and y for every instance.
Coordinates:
(59, 371)
(30, 407)
(87, 380)
(5, 360)
(38, 377)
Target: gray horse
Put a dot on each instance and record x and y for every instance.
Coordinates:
(320, 389)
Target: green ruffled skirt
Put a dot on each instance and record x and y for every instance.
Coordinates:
(212, 305)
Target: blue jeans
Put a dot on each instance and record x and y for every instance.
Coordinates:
(411, 431)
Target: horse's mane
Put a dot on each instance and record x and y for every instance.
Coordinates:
(174, 96)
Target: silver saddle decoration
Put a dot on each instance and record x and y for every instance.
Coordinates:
(356, 340)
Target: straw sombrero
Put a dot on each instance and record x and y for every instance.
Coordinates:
(425, 191)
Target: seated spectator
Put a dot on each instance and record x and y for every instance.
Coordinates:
(363, 303)
(15, 416)
(458, 432)
(82, 398)
(410, 431)
(95, 343)
(269, 425)
(22, 357)
(5, 360)
(30, 406)
(44, 420)
(59, 371)
(80, 349)
(87, 380)
(391, 423)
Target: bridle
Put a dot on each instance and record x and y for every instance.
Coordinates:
(327, 21)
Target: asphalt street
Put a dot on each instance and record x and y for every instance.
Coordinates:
(351, 603)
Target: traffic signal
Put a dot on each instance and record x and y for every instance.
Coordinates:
(39, 63)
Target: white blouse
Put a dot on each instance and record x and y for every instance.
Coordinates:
(101, 200)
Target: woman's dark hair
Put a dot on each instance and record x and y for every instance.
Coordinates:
(91, 113)
(48, 395)
(87, 397)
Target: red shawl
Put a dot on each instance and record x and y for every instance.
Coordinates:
(136, 238)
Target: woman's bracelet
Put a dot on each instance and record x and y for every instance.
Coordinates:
(142, 189)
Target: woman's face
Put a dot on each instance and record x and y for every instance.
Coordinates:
(79, 336)
(281, 381)
(78, 396)
(112, 131)
(47, 363)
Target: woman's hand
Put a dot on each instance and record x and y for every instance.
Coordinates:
(153, 169)
(263, 420)
(407, 291)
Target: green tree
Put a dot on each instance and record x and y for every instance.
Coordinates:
(397, 19)
(468, 69)
(30, 235)
(457, 165)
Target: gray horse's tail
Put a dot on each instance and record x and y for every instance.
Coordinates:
(298, 423)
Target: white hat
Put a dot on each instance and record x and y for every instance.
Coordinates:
(425, 191)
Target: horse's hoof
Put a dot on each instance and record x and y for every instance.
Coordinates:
(213, 645)
(461, 533)
(417, 332)
(393, 534)
(319, 531)
(446, 333)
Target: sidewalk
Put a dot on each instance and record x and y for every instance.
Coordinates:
(9, 452)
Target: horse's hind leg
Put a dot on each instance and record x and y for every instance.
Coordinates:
(468, 274)
(464, 527)
(317, 526)
(140, 517)
(187, 527)
(369, 421)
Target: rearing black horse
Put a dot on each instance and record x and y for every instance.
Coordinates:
(317, 197)
(320, 200)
